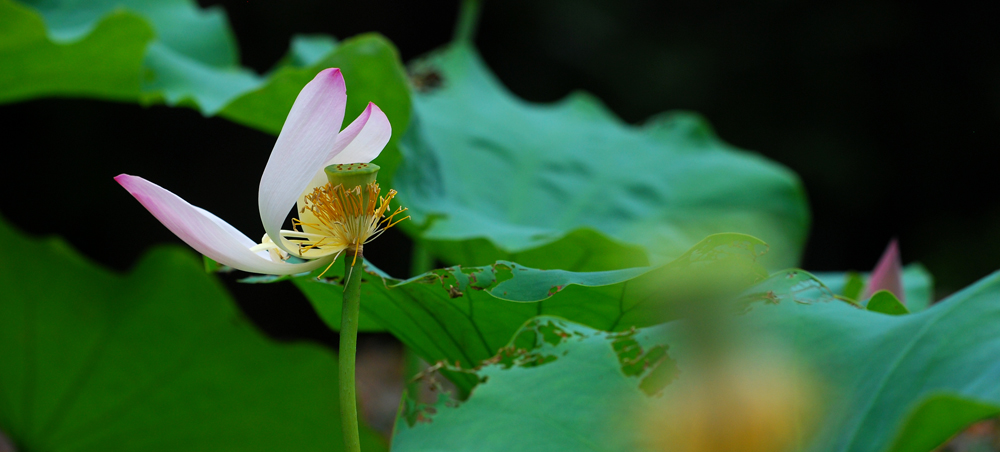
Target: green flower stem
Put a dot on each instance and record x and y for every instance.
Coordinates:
(468, 18)
(353, 268)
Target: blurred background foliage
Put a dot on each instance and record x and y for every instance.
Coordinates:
(886, 110)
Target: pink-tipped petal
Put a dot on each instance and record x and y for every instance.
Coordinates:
(364, 139)
(303, 145)
(205, 232)
(359, 142)
(888, 274)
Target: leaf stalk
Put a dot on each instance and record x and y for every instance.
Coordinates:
(353, 268)
(468, 19)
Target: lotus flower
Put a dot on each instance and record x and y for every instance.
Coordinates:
(309, 141)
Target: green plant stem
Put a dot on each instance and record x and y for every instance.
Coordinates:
(353, 268)
(468, 18)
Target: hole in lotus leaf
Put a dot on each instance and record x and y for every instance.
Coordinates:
(413, 411)
(480, 278)
(431, 278)
(521, 357)
(452, 280)
(659, 376)
(456, 280)
(654, 367)
(527, 338)
(552, 334)
(503, 271)
(527, 348)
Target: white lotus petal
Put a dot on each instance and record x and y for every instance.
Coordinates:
(205, 232)
(365, 144)
(304, 144)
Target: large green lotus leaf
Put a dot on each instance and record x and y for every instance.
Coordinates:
(172, 51)
(463, 315)
(883, 383)
(894, 383)
(900, 383)
(918, 285)
(559, 386)
(488, 176)
(158, 359)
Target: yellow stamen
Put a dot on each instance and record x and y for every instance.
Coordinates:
(347, 218)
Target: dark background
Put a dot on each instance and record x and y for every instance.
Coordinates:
(888, 111)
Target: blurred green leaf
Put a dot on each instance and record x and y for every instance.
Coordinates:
(918, 285)
(885, 302)
(883, 383)
(35, 65)
(854, 284)
(158, 359)
(488, 176)
(463, 315)
(935, 416)
(173, 51)
(189, 54)
(307, 50)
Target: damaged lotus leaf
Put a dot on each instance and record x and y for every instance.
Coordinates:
(557, 386)
(871, 382)
(793, 285)
(491, 177)
(155, 360)
(464, 315)
(174, 52)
